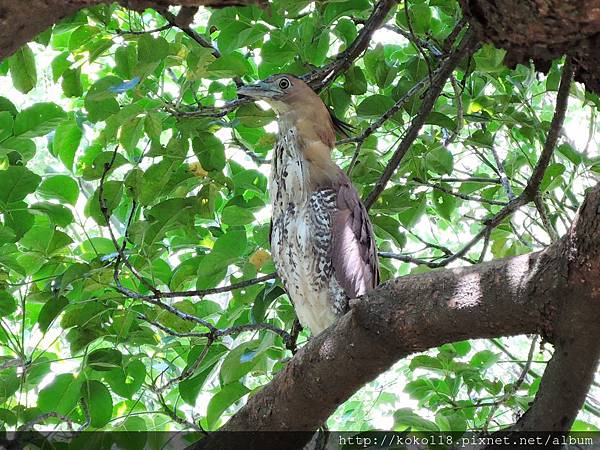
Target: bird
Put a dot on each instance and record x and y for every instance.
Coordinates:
(322, 240)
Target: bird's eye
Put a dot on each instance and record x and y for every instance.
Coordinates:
(284, 83)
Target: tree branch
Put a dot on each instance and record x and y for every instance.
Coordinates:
(531, 189)
(320, 78)
(519, 295)
(20, 24)
(467, 47)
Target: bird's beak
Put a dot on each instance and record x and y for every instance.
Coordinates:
(260, 91)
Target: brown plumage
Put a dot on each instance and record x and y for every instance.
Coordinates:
(322, 240)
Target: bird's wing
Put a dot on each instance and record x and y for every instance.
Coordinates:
(354, 255)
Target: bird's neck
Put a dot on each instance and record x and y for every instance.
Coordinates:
(301, 164)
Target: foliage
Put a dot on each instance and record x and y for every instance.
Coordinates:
(141, 132)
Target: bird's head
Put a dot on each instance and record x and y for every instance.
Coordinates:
(290, 96)
(282, 92)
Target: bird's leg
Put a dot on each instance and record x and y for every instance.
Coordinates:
(296, 329)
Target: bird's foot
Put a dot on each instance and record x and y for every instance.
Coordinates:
(353, 302)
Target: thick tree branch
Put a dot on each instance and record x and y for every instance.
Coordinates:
(519, 295)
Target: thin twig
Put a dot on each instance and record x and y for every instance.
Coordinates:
(133, 32)
(510, 391)
(416, 42)
(436, 52)
(106, 215)
(187, 372)
(503, 177)
(318, 78)
(472, 198)
(173, 415)
(459, 111)
(468, 45)
(42, 417)
(532, 187)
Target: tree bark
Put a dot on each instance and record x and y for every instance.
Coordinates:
(21, 22)
(555, 292)
(542, 30)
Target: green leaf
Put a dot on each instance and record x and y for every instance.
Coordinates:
(568, 152)
(153, 125)
(113, 192)
(9, 384)
(210, 151)
(232, 244)
(222, 400)
(38, 120)
(484, 359)
(252, 116)
(389, 227)
(71, 83)
(100, 100)
(490, 59)
(152, 49)
(60, 215)
(126, 59)
(99, 402)
(130, 133)
(374, 106)
(174, 322)
(22, 69)
(61, 395)
(263, 301)
(60, 187)
(8, 304)
(16, 183)
(405, 418)
(51, 309)
(425, 362)
(552, 177)
(420, 389)
(420, 17)
(126, 381)
(6, 125)
(66, 141)
(98, 166)
(104, 359)
(59, 64)
(237, 34)
(236, 215)
(25, 147)
(44, 238)
(580, 425)
(7, 105)
(239, 362)
(191, 387)
(7, 235)
(442, 120)
(131, 434)
(228, 66)
(444, 203)
(440, 160)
